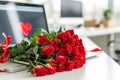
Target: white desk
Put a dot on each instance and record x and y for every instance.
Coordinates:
(91, 32)
(101, 67)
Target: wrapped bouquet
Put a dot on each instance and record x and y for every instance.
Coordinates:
(45, 53)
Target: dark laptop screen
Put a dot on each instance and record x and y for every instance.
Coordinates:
(11, 14)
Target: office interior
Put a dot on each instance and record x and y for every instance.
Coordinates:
(92, 18)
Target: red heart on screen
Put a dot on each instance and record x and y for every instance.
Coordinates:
(25, 27)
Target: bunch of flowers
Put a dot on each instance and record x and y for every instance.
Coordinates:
(49, 53)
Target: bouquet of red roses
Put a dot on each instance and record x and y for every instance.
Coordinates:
(48, 53)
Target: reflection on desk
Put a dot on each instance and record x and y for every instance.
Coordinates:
(101, 67)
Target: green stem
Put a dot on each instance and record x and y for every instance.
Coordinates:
(31, 63)
(42, 64)
(45, 60)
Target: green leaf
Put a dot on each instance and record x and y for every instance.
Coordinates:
(60, 30)
(35, 49)
(37, 56)
(29, 51)
(33, 41)
(29, 67)
(27, 56)
(25, 43)
(37, 33)
(24, 56)
(17, 58)
(15, 51)
(51, 36)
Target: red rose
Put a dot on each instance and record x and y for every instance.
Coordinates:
(52, 61)
(33, 71)
(72, 41)
(62, 36)
(78, 64)
(61, 51)
(79, 53)
(79, 43)
(48, 50)
(68, 34)
(61, 60)
(76, 37)
(82, 50)
(68, 48)
(76, 51)
(51, 69)
(71, 32)
(42, 40)
(69, 66)
(83, 60)
(75, 57)
(39, 70)
(54, 43)
(59, 35)
(60, 68)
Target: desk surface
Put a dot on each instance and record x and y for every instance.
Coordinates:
(91, 32)
(101, 67)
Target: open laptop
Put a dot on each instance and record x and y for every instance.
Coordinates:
(11, 14)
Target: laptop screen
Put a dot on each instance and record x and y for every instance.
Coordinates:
(11, 14)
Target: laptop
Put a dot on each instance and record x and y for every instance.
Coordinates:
(11, 14)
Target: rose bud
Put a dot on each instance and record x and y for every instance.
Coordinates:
(48, 50)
